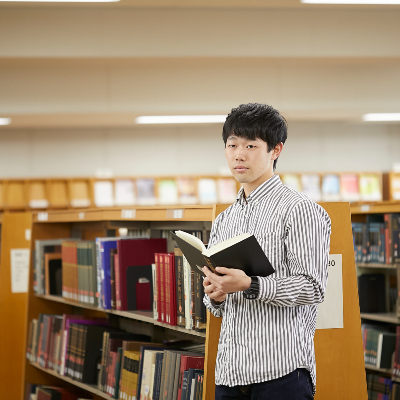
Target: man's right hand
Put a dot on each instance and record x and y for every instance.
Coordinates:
(212, 292)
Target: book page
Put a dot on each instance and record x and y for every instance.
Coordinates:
(225, 244)
(193, 240)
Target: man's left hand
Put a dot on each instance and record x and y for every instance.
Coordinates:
(234, 280)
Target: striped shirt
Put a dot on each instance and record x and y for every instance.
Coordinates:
(271, 336)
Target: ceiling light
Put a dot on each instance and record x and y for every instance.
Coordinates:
(380, 2)
(5, 121)
(381, 117)
(181, 119)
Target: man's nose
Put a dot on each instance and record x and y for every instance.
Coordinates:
(239, 154)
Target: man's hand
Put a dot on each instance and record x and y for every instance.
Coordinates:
(216, 287)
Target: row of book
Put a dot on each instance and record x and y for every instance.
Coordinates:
(190, 190)
(379, 345)
(378, 239)
(73, 346)
(45, 392)
(179, 292)
(380, 388)
(125, 274)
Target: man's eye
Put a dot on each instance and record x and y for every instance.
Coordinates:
(250, 146)
(231, 146)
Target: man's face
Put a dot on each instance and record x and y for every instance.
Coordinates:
(249, 160)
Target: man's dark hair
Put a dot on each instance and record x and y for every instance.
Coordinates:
(256, 121)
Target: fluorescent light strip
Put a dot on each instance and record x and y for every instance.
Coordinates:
(5, 121)
(380, 2)
(181, 119)
(381, 117)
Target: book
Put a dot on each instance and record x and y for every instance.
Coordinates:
(331, 187)
(103, 193)
(311, 184)
(53, 274)
(167, 191)
(372, 293)
(349, 186)
(186, 190)
(292, 181)
(241, 252)
(180, 289)
(207, 191)
(187, 362)
(135, 258)
(146, 191)
(227, 191)
(370, 187)
(124, 192)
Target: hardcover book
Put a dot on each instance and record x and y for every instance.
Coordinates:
(241, 252)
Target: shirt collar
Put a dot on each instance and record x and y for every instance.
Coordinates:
(260, 192)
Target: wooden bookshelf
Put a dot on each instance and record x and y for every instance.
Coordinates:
(331, 345)
(359, 211)
(59, 223)
(144, 316)
(89, 388)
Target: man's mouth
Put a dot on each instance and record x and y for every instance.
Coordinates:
(241, 168)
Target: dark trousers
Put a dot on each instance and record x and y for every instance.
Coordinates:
(295, 386)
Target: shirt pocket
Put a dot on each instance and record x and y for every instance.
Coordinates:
(274, 247)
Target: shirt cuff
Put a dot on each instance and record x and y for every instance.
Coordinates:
(267, 290)
(215, 309)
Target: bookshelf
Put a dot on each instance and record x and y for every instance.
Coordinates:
(59, 223)
(52, 193)
(359, 212)
(331, 345)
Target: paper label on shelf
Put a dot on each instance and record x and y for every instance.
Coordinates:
(365, 208)
(127, 214)
(43, 216)
(330, 312)
(19, 270)
(27, 234)
(178, 213)
(81, 215)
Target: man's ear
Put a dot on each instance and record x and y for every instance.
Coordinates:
(277, 151)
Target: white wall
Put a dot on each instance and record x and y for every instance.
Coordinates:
(190, 150)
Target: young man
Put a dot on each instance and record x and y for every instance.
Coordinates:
(266, 348)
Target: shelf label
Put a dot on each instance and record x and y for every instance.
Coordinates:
(128, 214)
(19, 270)
(43, 216)
(330, 311)
(176, 214)
(28, 234)
(365, 208)
(81, 215)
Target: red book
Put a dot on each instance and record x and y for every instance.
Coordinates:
(187, 362)
(162, 311)
(136, 253)
(158, 273)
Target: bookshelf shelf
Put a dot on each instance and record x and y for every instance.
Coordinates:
(380, 207)
(90, 388)
(382, 370)
(382, 266)
(382, 317)
(144, 316)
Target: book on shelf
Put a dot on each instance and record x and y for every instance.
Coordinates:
(292, 181)
(349, 187)
(103, 193)
(241, 252)
(186, 190)
(372, 293)
(379, 387)
(146, 195)
(370, 187)
(167, 192)
(207, 191)
(135, 259)
(331, 187)
(124, 192)
(227, 190)
(53, 273)
(311, 184)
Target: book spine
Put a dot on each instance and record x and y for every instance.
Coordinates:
(167, 286)
(117, 283)
(154, 273)
(180, 296)
(162, 287)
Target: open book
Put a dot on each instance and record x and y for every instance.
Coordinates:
(240, 252)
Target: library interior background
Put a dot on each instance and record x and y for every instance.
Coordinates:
(111, 116)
